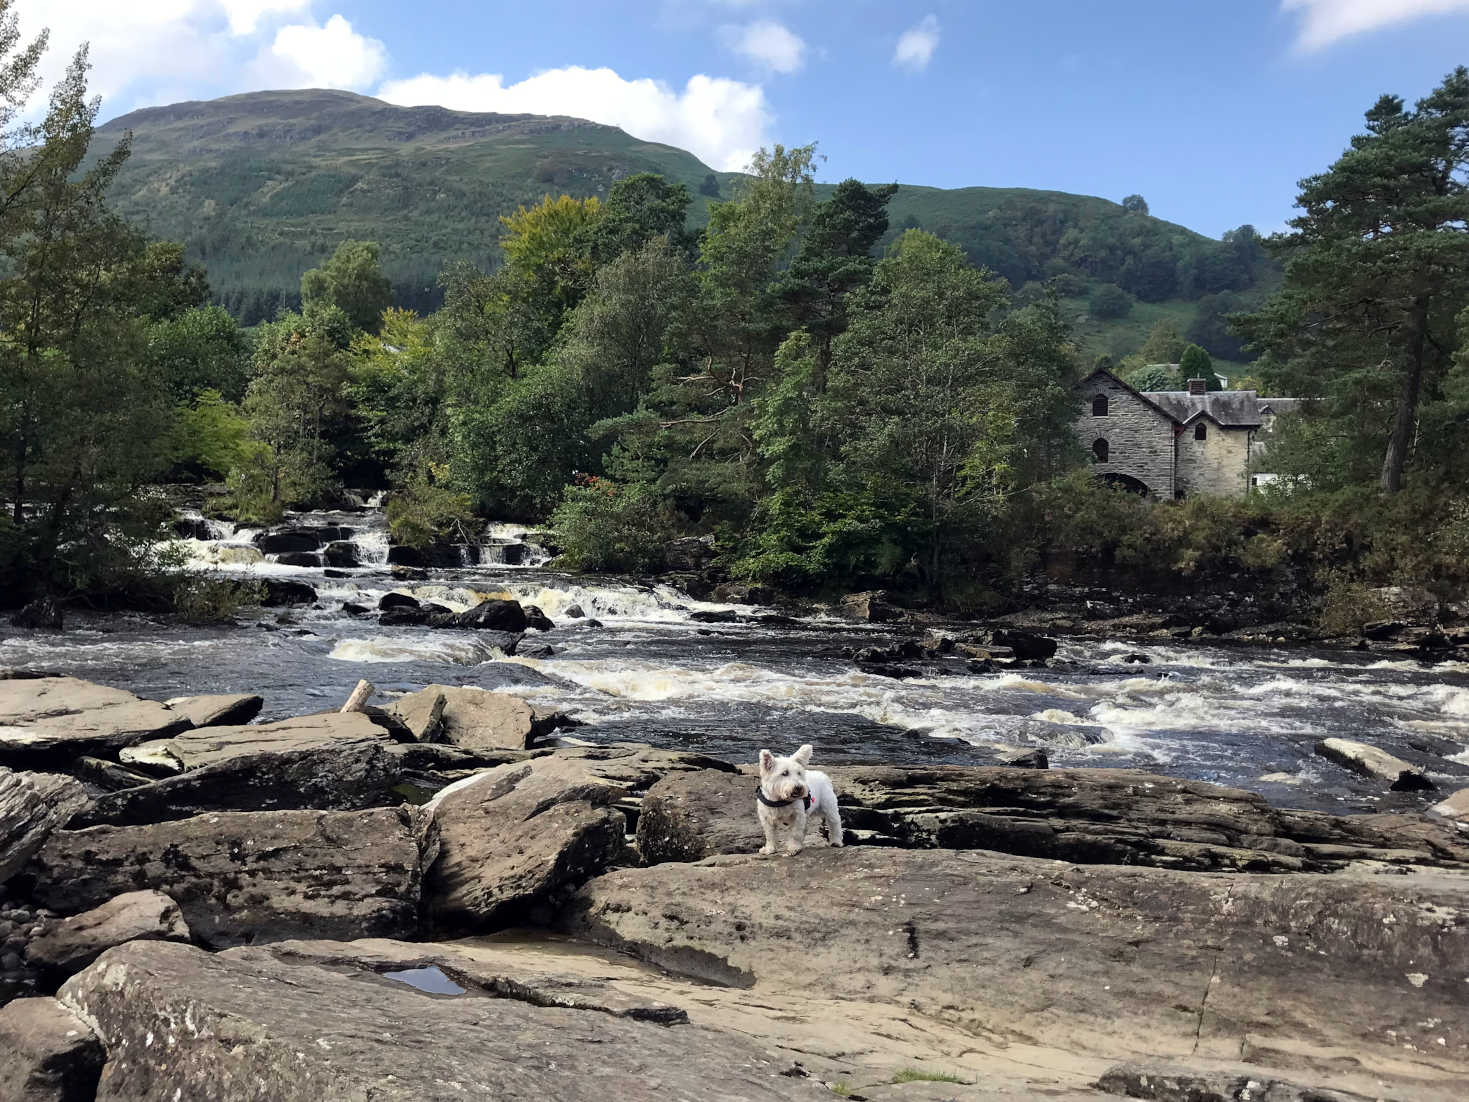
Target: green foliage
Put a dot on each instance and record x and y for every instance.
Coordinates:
(1376, 277)
(918, 1075)
(638, 209)
(200, 349)
(1163, 346)
(1110, 301)
(423, 512)
(353, 282)
(1135, 204)
(1196, 364)
(1153, 377)
(200, 597)
(210, 438)
(601, 525)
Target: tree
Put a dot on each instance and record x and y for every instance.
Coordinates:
(200, 349)
(1153, 377)
(1195, 364)
(638, 209)
(1163, 346)
(352, 280)
(1135, 204)
(1110, 301)
(1211, 327)
(710, 185)
(548, 255)
(1376, 275)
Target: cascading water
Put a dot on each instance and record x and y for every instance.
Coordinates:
(652, 672)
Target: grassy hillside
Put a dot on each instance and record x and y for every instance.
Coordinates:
(264, 185)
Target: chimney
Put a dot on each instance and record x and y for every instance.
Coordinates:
(1198, 386)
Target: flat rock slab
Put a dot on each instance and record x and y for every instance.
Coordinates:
(1454, 806)
(47, 1054)
(251, 876)
(1103, 816)
(345, 774)
(73, 943)
(32, 805)
(1373, 761)
(1351, 978)
(476, 719)
(212, 745)
(219, 708)
(52, 716)
(265, 1026)
(512, 837)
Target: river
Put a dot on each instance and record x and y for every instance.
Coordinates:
(1242, 717)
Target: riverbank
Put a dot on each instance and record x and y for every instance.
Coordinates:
(273, 911)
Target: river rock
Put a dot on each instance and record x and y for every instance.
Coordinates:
(535, 618)
(422, 713)
(477, 718)
(42, 614)
(1455, 807)
(1294, 971)
(56, 716)
(251, 876)
(872, 606)
(1373, 761)
(47, 1053)
(283, 591)
(513, 837)
(493, 615)
(396, 600)
(345, 775)
(288, 539)
(73, 943)
(32, 805)
(278, 1025)
(1084, 815)
(223, 708)
(309, 559)
(341, 553)
(344, 731)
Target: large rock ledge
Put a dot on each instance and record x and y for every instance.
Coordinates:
(1354, 978)
(1110, 816)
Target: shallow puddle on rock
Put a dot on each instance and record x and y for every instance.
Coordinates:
(428, 979)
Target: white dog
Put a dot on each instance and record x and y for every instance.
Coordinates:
(788, 796)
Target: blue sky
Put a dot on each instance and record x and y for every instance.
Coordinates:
(1212, 109)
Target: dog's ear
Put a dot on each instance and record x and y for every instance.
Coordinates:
(767, 761)
(803, 755)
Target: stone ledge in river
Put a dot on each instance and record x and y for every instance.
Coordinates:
(1454, 806)
(473, 718)
(47, 1053)
(218, 709)
(1174, 1083)
(1084, 815)
(252, 876)
(1294, 970)
(212, 745)
(32, 805)
(1373, 761)
(71, 944)
(283, 591)
(50, 717)
(279, 1025)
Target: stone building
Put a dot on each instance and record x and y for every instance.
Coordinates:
(1173, 443)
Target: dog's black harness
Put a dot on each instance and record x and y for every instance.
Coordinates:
(760, 795)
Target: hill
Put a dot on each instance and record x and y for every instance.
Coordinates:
(262, 186)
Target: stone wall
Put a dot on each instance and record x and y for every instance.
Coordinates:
(1218, 465)
(1139, 437)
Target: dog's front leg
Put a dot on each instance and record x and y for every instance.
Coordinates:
(767, 823)
(797, 839)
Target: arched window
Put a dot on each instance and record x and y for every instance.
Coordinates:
(1201, 431)
(1099, 449)
(1099, 406)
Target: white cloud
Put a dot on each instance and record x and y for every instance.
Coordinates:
(769, 44)
(1324, 22)
(331, 56)
(916, 45)
(245, 15)
(721, 121)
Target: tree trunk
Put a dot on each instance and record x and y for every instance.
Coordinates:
(1407, 415)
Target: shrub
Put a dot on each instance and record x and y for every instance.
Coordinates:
(422, 513)
(211, 598)
(1110, 301)
(604, 526)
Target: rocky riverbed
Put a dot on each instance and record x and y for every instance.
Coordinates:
(444, 895)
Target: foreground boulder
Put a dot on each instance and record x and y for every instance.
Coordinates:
(475, 719)
(268, 1026)
(494, 614)
(73, 943)
(251, 876)
(49, 717)
(1109, 816)
(47, 1054)
(32, 805)
(1350, 979)
(217, 709)
(513, 837)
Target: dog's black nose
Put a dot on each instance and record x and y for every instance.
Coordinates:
(800, 790)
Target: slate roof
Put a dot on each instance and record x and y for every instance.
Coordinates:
(1226, 408)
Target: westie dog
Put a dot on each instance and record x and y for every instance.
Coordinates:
(789, 796)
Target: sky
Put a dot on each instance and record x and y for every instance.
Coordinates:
(1210, 109)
